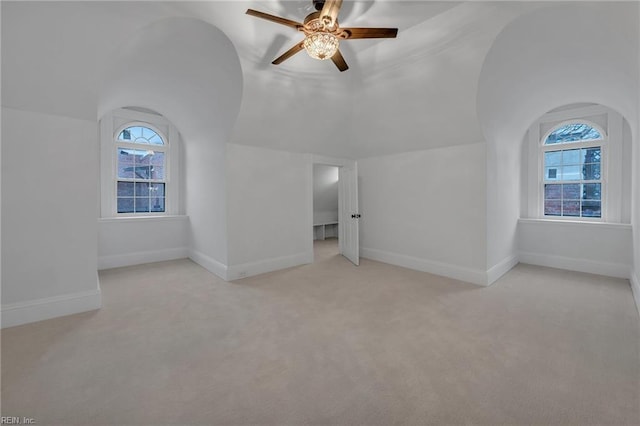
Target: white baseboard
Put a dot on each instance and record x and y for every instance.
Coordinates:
(209, 263)
(635, 288)
(138, 258)
(250, 269)
(498, 270)
(617, 270)
(51, 307)
(474, 276)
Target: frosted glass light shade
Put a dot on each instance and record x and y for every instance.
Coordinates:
(321, 45)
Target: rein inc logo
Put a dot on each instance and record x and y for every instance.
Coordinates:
(8, 420)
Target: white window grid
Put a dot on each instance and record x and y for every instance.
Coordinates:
(591, 143)
(119, 144)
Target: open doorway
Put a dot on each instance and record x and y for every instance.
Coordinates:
(325, 211)
(322, 220)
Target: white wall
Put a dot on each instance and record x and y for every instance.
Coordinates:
(635, 217)
(503, 201)
(206, 203)
(49, 199)
(269, 196)
(185, 69)
(627, 174)
(529, 71)
(188, 71)
(325, 193)
(604, 249)
(635, 221)
(432, 89)
(0, 182)
(132, 241)
(124, 241)
(599, 248)
(426, 210)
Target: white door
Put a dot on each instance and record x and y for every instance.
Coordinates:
(348, 207)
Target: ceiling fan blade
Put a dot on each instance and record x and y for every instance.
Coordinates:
(276, 19)
(289, 53)
(339, 61)
(330, 11)
(371, 32)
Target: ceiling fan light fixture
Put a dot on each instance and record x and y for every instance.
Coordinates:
(323, 33)
(321, 45)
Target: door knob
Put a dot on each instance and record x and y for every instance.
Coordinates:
(355, 216)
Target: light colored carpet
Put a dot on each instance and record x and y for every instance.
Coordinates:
(330, 343)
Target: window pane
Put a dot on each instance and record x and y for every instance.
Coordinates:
(157, 204)
(143, 172)
(571, 191)
(591, 191)
(591, 209)
(142, 189)
(125, 205)
(125, 189)
(143, 158)
(140, 134)
(143, 164)
(591, 155)
(126, 156)
(552, 158)
(130, 134)
(147, 133)
(156, 190)
(591, 172)
(552, 192)
(157, 172)
(126, 171)
(125, 135)
(136, 132)
(571, 156)
(552, 207)
(141, 204)
(571, 208)
(572, 173)
(157, 159)
(572, 133)
(125, 164)
(552, 173)
(128, 160)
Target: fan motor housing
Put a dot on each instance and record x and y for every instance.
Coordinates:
(313, 24)
(308, 21)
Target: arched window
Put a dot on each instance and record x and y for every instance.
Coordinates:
(140, 170)
(140, 134)
(577, 166)
(572, 170)
(139, 164)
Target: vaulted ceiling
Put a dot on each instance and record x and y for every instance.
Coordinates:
(414, 92)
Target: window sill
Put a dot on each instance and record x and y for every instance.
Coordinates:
(554, 222)
(142, 218)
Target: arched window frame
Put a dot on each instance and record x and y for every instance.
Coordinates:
(111, 125)
(601, 143)
(160, 133)
(613, 166)
(139, 146)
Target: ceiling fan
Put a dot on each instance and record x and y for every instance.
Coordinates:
(323, 33)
